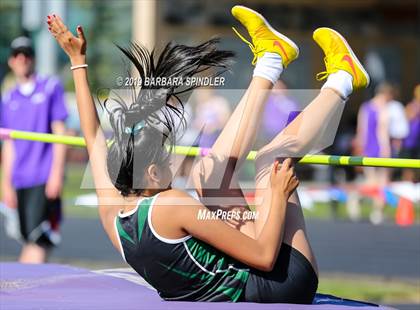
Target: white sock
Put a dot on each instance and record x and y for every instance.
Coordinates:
(269, 67)
(340, 81)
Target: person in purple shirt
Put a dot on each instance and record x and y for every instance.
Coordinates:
(32, 172)
(373, 140)
(280, 110)
(411, 144)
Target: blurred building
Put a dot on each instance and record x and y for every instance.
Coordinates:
(385, 33)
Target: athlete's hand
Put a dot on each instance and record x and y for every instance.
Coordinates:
(8, 196)
(284, 180)
(74, 47)
(54, 187)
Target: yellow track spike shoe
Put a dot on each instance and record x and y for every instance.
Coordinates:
(264, 37)
(339, 56)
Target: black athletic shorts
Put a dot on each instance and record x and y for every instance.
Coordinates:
(39, 217)
(292, 280)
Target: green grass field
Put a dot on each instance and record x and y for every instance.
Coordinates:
(371, 289)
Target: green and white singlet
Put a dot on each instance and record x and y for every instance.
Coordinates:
(179, 269)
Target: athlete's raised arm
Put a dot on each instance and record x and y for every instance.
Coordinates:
(75, 48)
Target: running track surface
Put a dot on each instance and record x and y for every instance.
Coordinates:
(52, 286)
(358, 248)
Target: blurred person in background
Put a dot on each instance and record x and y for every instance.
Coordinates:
(411, 144)
(278, 111)
(211, 115)
(373, 140)
(338, 176)
(398, 123)
(32, 172)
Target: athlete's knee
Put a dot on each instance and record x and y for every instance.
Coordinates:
(212, 165)
(201, 169)
(284, 146)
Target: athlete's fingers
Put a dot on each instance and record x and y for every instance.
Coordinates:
(59, 23)
(49, 22)
(80, 33)
(286, 164)
(52, 24)
(292, 170)
(53, 31)
(56, 28)
(275, 167)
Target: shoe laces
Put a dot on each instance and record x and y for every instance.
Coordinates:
(331, 66)
(253, 48)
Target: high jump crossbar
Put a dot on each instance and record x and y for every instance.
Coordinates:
(197, 151)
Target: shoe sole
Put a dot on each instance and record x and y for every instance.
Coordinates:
(352, 54)
(282, 36)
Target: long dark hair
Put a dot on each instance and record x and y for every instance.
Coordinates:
(148, 125)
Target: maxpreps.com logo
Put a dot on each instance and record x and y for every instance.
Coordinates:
(231, 215)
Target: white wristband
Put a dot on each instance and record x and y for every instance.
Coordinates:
(78, 67)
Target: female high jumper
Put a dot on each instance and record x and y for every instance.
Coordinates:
(158, 229)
